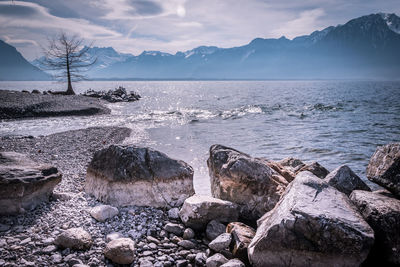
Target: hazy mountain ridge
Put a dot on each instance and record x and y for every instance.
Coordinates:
(365, 47)
(13, 66)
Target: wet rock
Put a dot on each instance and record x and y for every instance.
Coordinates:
(316, 169)
(214, 229)
(117, 95)
(384, 167)
(312, 223)
(345, 180)
(246, 181)
(103, 212)
(121, 251)
(233, 263)
(198, 210)
(74, 238)
(382, 213)
(174, 228)
(216, 260)
(24, 184)
(188, 234)
(242, 235)
(220, 243)
(131, 175)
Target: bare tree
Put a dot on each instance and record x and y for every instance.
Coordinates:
(67, 59)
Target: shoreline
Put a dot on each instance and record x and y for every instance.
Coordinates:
(18, 105)
(28, 237)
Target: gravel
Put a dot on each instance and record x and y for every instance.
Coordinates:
(28, 238)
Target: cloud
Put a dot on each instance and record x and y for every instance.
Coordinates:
(17, 11)
(145, 8)
(302, 24)
(131, 26)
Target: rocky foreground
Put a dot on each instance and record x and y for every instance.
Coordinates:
(137, 207)
(14, 105)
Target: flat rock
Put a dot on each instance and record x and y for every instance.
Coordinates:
(246, 181)
(222, 242)
(131, 175)
(242, 235)
(198, 210)
(384, 167)
(382, 213)
(345, 180)
(121, 251)
(74, 238)
(24, 184)
(103, 212)
(216, 260)
(313, 223)
(316, 169)
(187, 244)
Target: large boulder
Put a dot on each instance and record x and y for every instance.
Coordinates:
(197, 211)
(384, 167)
(130, 175)
(382, 213)
(24, 184)
(246, 181)
(313, 224)
(242, 235)
(345, 180)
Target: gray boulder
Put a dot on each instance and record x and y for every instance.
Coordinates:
(382, 213)
(121, 251)
(216, 260)
(313, 224)
(246, 181)
(131, 175)
(384, 167)
(316, 169)
(103, 212)
(222, 242)
(174, 228)
(24, 184)
(345, 180)
(242, 235)
(214, 229)
(198, 210)
(75, 238)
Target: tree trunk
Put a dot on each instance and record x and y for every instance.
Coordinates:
(70, 91)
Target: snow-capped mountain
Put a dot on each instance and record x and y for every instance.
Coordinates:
(365, 47)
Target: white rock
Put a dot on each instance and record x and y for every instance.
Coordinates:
(103, 212)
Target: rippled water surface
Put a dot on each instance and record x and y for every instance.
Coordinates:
(332, 122)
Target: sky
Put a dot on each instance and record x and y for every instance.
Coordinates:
(133, 26)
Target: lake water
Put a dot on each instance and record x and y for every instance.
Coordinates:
(332, 122)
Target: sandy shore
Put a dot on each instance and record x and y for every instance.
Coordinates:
(16, 105)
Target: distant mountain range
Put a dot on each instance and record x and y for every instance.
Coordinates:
(14, 67)
(365, 47)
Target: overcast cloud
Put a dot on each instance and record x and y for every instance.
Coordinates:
(132, 26)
